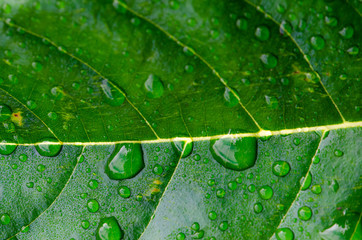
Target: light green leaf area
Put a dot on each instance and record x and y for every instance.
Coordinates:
(180, 119)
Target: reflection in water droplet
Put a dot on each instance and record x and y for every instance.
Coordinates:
(126, 161)
(109, 229)
(281, 168)
(49, 147)
(235, 152)
(113, 95)
(284, 234)
(179, 145)
(154, 86)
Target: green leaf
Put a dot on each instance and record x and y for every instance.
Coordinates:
(180, 119)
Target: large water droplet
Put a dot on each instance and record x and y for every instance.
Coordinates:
(126, 161)
(112, 94)
(269, 60)
(6, 149)
(49, 147)
(235, 152)
(154, 86)
(5, 112)
(179, 146)
(281, 168)
(284, 234)
(109, 229)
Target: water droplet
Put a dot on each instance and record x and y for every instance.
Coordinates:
(85, 224)
(126, 161)
(347, 32)
(93, 184)
(272, 102)
(212, 215)
(5, 112)
(335, 185)
(242, 24)
(338, 153)
(269, 60)
(284, 234)
(262, 33)
(304, 213)
(157, 169)
(189, 68)
(331, 21)
(230, 99)
(232, 185)
(40, 168)
(5, 219)
(296, 141)
(266, 192)
(285, 27)
(235, 152)
(49, 147)
(30, 184)
(57, 92)
(92, 205)
(281, 168)
(307, 182)
(316, 189)
(317, 42)
(31, 104)
(37, 66)
(251, 188)
(124, 192)
(23, 158)
(6, 149)
(353, 50)
(180, 236)
(179, 146)
(113, 95)
(154, 86)
(109, 229)
(223, 226)
(220, 193)
(195, 226)
(258, 208)
(198, 235)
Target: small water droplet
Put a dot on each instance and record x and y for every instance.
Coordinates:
(284, 234)
(223, 226)
(126, 161)
(304, 213)
(93, 184)
(49, 147)
(157, 169)
(220, 193)
(180, 236)
(37, 66)
(316, 189)
(347, 32)
(258, 208)
(92, 205)
(154, 86)
(353, 50)
(179, 146)
(281, 168)
(109, 229)
(338, 153)
(272, 102)
(212, 215)
(266, 192)
(113, 94)
(269, 60)
(5, 219)
(242, 24)
(85, 224)
(230, 99)
(124, 192)
(262, 33)
(235, 152)
(317, 42)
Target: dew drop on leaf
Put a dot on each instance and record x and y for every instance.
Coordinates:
(338, 153)
(317, 42)
(242, 24)
(307, 182)
(85, 224)
(284, 234)
(280, 168)
(5, 112)
(347, 32)
(272, 102)
(212, 215)
(269, 60)
(5, 219)
(235, 153)
(154, 87)
(157, 169)
(223, 226)
(124, 192)
(112, 94)
(316, 189)
(37, 66)
(126, 161)
(258, 208)
(180, 236)
(266, 192)
(7, 149)
(92, 205)
(220, 193)
(57, 92)
(49, 147)
(23, 158)
(93, 184)
(304, 213)
(179, 146)
(109, 229)
(230, 99)
(262, 33)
